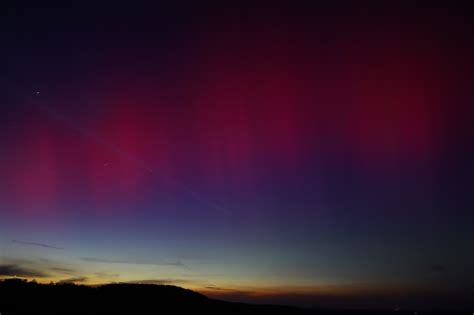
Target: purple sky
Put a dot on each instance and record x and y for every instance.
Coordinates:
(317, 155)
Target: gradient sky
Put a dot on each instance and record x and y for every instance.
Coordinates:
(313, 155)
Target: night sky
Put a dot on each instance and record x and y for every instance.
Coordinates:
(310, 155)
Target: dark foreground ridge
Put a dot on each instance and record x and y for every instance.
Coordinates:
(21, 297)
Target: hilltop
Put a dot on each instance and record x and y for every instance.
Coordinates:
(19, 296)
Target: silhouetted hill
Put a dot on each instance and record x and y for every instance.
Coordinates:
(19, 296)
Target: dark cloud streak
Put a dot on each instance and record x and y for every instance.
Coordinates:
(36, 244)
(62, 270)
(73, 280)
(119, 261)
(13, 270)
(160, 281)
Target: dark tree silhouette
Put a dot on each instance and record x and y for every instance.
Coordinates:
(19, 296)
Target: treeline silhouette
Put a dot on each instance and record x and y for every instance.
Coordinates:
(19, 296)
